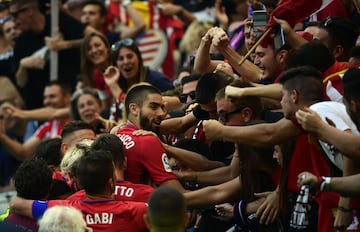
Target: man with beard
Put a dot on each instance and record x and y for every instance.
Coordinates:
(147, 161)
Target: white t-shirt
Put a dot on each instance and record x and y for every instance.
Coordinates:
(337, 113)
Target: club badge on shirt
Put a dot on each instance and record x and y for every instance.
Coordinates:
(165, 162)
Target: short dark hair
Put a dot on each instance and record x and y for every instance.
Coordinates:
(351, 84)
(98, 3)
(306, 80)
(341, 31)
(314, 54)
(94, 171)
(112, 144)
(138, 94)
(50, 151)
(33, 179)
(73, 126)
(65, 88)
(270, 3)
(167, 207)
(190, 78)
(209, 84)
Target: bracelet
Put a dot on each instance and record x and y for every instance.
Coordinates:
(320, 181)
(325, 184)
(343, 209)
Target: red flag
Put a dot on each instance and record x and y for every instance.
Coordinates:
(294, 11)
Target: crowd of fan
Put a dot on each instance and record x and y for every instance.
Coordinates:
(231, 131)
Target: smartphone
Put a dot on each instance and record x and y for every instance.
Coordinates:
(260, 18)
(279, 38)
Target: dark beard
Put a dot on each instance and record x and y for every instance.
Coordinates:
(145, 124)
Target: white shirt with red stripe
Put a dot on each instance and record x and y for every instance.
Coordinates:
(50, 129)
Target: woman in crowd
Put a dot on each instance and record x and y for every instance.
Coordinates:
(130, 70)
(8, 33)
(95, 58)
(86, 106)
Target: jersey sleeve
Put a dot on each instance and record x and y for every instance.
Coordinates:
(39, 207)
(42, 131)
(156, 161)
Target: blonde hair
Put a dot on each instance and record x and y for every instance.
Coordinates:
(62, 219)
(191, 40)
(72, 155)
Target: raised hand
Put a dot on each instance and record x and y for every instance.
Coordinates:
(112, 75)
(309, 120)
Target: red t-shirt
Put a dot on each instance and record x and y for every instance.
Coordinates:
(335, 8)
(109, 215)
(146, 158)
(124, 191)
(332, 79)
(308, 156)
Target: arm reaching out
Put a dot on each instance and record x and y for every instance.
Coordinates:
(345, 142)
(139, 23)
(270, 91)
(256, 135)
(346, 186)
(22, 207)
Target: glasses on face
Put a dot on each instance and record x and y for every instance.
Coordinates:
(124, 42)
(183, 97)
(224, 116)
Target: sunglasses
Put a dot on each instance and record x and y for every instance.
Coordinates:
(224, 116)
(183, 97)
(328, 22)
(124, 42)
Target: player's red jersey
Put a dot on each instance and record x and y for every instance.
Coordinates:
(106, 214)
(308, 156)
(124, 191)
(146, 157)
